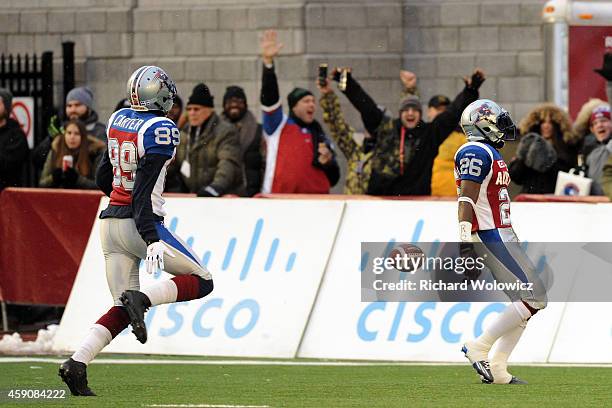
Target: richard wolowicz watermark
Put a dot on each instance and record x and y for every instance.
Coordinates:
(497, 271)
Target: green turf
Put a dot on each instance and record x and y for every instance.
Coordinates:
(315, 386)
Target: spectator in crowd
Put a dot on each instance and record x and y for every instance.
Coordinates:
(207, 160)
(73, 159)
(79, 105)
(601, 127)
(443, 182)
(406, 146)
(358, 156)
(606, 176)
(236, 112)
(13, 144)
(442, 175)
(548, 145)
(585, 131)
(299, 156)
(176, 112)
(437, 104)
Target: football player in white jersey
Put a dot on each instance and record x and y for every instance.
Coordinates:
(141, 144)
(484, 217)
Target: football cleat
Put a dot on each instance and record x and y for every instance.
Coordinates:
(479, 363)
(135, 303)
(513, 380)
(74, 374)
(516, 380)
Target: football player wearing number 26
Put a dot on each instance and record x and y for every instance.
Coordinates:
(141, 144)
(484, 217)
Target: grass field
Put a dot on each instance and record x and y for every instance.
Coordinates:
(224, 384)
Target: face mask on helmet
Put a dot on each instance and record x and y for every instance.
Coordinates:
(506, 126)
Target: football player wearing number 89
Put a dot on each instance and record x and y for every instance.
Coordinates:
(484, 217)
(141, 144)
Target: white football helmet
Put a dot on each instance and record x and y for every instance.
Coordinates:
(485, 120)
(150, 88)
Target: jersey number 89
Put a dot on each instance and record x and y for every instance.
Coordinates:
(124, 161)
(165, 136)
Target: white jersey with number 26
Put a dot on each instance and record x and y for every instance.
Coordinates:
(481, 163)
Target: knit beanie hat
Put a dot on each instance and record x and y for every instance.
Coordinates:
(81, 94)
(7, 98)
(294, 96)
(201, 96)
(411, 101)
(602, 111)
(234, 92)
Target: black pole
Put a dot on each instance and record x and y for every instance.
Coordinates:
(47, 88)
(68, 64)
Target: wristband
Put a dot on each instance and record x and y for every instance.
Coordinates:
(465, 231)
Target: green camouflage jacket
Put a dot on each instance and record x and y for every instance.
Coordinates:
(358, 162)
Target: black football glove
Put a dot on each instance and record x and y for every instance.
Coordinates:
(466, 250)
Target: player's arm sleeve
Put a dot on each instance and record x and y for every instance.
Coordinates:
(149, 167)
(270, 101)
(104, 175)
(159, 141)
(473, 163)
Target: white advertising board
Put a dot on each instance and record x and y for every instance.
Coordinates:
(342, 326)
(267, 258)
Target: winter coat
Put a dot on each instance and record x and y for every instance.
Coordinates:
(443, 173)
(13, 154)
(251, 158)
(213, 156)
(413, 177)
(606, 178)
(581, 128)
(597, 159)
(94, 128)
(536, 165)
(96, 149)
(358, 160)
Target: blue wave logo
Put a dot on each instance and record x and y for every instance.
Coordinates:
(254, 245)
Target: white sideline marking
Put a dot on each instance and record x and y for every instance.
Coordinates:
(283, 362)
(206, 406)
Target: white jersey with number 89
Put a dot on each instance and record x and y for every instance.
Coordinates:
(131, 134)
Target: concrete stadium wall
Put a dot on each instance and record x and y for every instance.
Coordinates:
(217, 42)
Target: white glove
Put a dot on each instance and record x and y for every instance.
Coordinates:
(155, 256)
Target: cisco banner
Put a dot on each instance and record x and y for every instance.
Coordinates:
(342, 326)
(267, 258)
